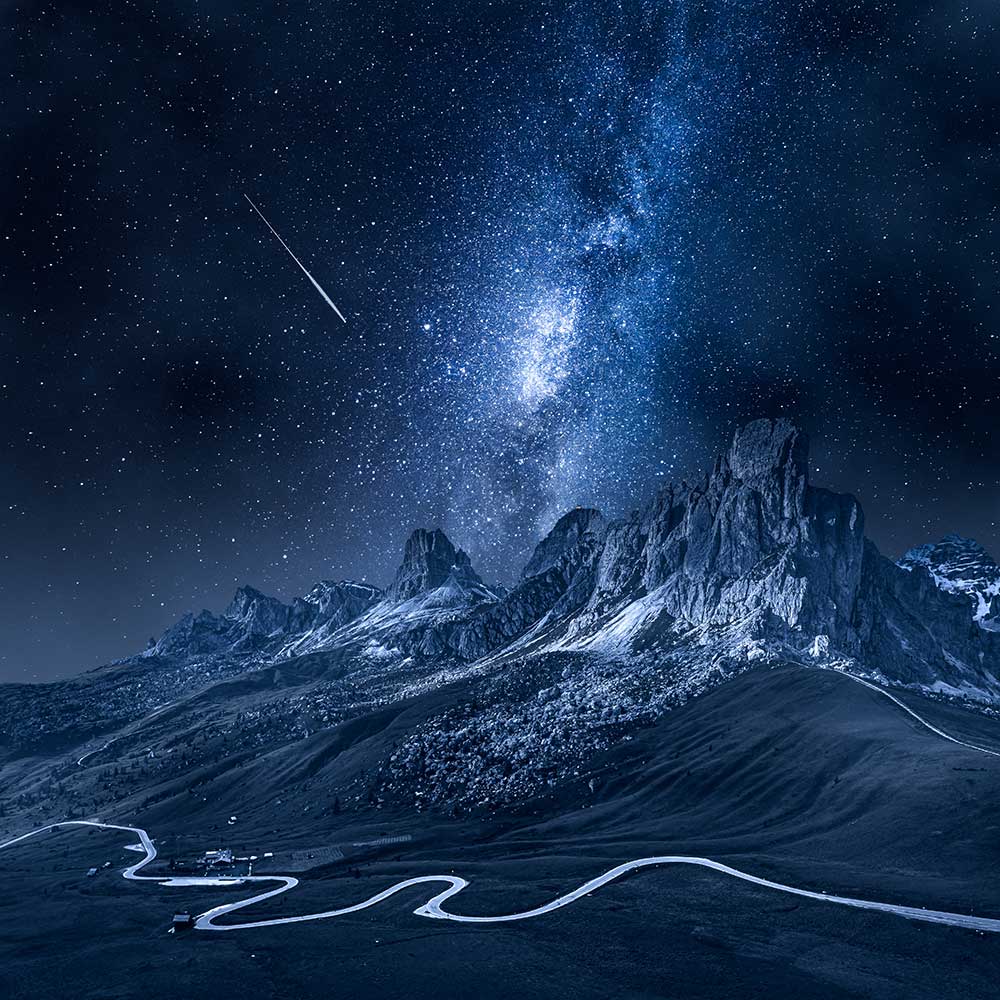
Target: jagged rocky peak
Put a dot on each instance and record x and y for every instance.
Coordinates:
(959, 565)
(767, 448)
(752, 538)
(770, 458)
(564, 536)
(430, 561)
(333, 602)
(755, 544)
(258, 613)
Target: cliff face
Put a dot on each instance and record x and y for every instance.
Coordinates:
(557, 581)
(752, 538)
(911, 631)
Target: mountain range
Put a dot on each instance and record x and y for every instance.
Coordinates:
(754, 551)
(611, 623)
(680, 681)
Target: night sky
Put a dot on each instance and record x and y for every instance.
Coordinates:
(575, 244)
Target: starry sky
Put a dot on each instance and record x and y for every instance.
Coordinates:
(575, 243)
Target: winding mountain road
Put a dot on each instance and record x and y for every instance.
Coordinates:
(114, 739)
(434, 907)
(909, 711)
(90, 753)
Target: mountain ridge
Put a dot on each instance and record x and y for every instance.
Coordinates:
(751, 565)
(753, 542)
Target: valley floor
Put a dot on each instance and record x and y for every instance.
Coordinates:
(804, 777)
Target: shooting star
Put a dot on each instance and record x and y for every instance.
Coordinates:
(316, 284)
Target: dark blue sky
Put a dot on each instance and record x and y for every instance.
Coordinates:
(575, 243)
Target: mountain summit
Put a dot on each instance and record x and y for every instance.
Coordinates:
(430, 561)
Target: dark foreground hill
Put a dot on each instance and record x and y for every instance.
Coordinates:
(800, 775)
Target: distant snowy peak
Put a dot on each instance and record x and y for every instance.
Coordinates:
(256, 622)
(962, 566)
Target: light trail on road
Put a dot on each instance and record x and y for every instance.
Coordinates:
(434, 907)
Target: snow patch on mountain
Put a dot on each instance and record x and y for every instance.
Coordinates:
(961, 566)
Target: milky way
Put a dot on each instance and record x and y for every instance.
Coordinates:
(565, 304)
(578, 243)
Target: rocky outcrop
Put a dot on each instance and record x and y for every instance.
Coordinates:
(991, 620)
(193, 635)
(430, 561)
(256, 614)
(564, 537)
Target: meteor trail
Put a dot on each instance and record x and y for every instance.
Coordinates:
(316, 284)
